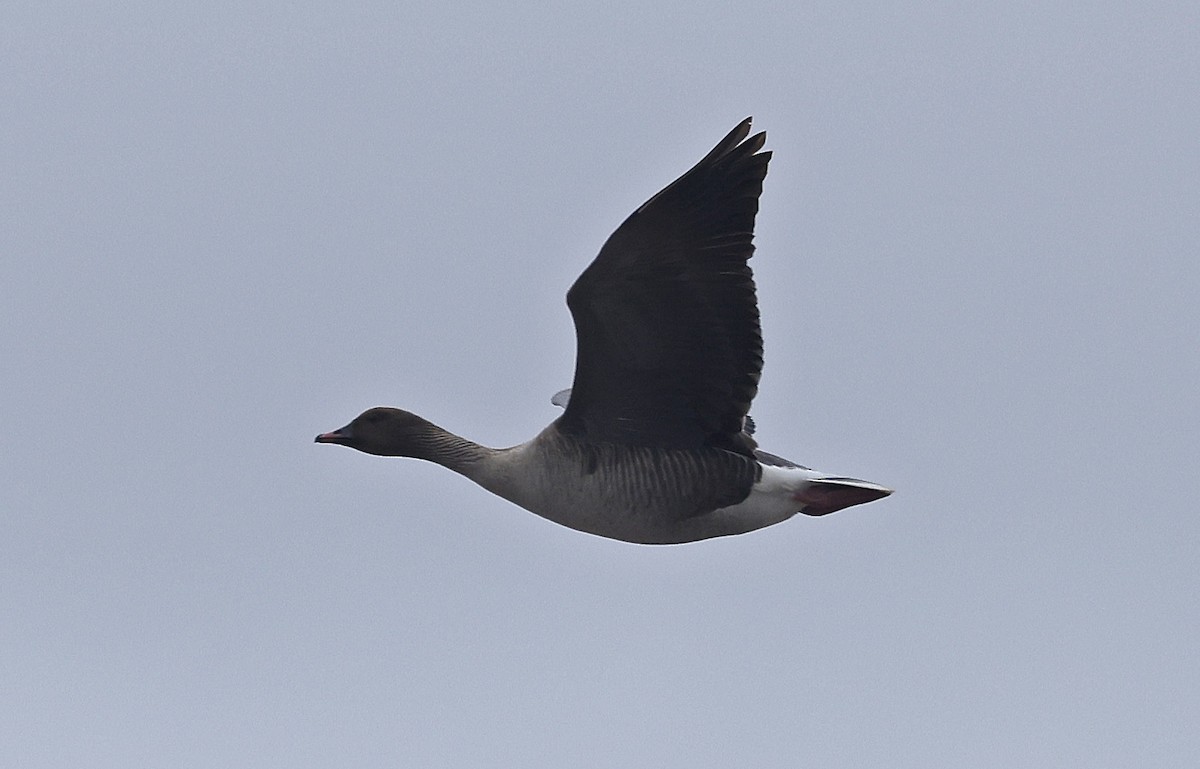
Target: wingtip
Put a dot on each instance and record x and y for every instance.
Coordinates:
(736, 140)
(736, 135)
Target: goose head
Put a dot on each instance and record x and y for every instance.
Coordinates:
(386, 432)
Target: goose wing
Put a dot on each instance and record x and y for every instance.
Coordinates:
(669, 349)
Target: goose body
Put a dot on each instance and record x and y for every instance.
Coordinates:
(654, 445)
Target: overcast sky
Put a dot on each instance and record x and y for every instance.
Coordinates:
(227, 227)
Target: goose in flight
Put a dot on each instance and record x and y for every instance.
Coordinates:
(654, 444)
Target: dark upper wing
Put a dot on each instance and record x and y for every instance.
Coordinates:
(666, 319)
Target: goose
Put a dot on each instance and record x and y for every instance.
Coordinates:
(654, 445)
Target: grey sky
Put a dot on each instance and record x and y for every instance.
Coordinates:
(230, 226)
